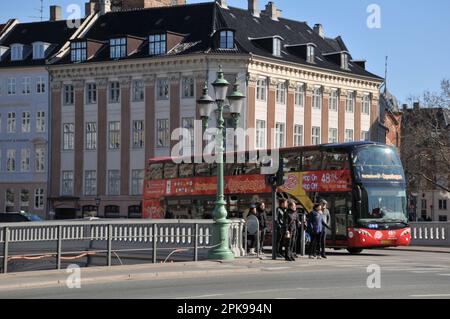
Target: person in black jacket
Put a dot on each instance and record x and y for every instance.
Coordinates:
(263, 225)
(281, 227)
(290, 222)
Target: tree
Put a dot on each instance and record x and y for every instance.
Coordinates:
(425, 146)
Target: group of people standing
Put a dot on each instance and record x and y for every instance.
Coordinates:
(289, 223)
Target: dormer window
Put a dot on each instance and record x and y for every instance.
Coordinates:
(344, 61)
(157, 44)
(226, 40)
(39, 49)
(276, 46)
(310, 53)
(3, 51)
(16, 52)
(78, 51)
(118, 48)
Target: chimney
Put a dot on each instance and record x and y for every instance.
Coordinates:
(253, 7)
(405, 107)
(89, 8)
(272, 11)
(416, 106)
(104, 6)
(55, 13)
(222, 3)
(318, 28)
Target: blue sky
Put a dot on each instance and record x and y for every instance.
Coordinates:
(414, 34)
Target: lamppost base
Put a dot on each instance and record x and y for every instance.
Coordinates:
(221, 251)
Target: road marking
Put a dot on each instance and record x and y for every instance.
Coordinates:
(269, 290)
(201, 297)
(431, 296)
(444, 274)
(277, 268)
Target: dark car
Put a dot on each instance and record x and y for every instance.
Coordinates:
(18, 218)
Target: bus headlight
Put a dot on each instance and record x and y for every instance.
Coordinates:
(407, 231)
(363, 232)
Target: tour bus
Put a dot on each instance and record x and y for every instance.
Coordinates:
(363, 183)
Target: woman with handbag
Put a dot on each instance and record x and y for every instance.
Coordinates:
(290, 222)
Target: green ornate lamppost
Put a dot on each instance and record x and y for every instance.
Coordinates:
(221, 250)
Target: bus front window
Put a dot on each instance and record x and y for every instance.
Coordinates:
(377, 163)
(384, 204)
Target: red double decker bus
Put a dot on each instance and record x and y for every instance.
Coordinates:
(363, 183)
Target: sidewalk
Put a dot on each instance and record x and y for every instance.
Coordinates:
(55, 278)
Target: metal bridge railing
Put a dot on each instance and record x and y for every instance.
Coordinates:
(430, 234)
(117, 236)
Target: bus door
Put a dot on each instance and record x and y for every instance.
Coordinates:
(339, 205)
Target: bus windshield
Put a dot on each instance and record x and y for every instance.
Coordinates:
(384, 204)
(378, 163)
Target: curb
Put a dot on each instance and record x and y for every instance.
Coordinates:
(420, 250)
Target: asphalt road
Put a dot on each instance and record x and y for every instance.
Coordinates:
(404, 274)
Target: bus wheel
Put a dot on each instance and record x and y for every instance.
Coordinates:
(354, 251)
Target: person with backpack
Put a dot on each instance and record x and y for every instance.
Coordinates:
(316, 226)
(252, 229)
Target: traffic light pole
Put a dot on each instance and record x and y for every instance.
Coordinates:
(274, 223)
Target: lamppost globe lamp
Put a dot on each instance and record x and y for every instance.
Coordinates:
(206, 105)
(236, 100)
(220, 86)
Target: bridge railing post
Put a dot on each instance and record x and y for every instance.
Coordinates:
(196, 242)
(5, 250)
(155, 242)
(59, 248)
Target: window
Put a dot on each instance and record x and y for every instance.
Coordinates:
(138, 90)
(78, 51)
(11, 122)
(188, 87)
(68, 136)
(38, 51)
(366, 104)
(344, 61)
(279, 135)
(162, 88)
(117, 48)
(158, 44)
(11, 86)
(317, 98)
(315, 138)
(114, 92)
(349, 136)
(16, 52)
(137, 182)
(277, 47)
(261, 90)
(39, 198)
(68, 95)
(40, 121)
(24, 200)
(334, 100)
(162, 134)
(138, 134)
(442, 204)
(188, 123)
(300, 95)
(114, 182)
(260, 134)
(226, 40)
(11, 160)
(333, 135)
(91, 136)
(26, 85)
(365, 136)
(90, 183)
(9, 201)
(443, 218)
(310, 54)
(40, 85)
(26, 122)
(25, 160)
(350, 102)
(114, 135)
(91, 93)
(67, 183)
(40, 158)
(281, 93)
(298, 135)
